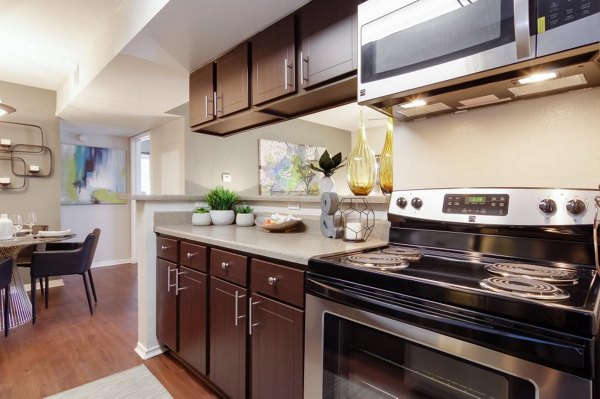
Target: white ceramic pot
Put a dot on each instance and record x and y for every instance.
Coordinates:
(244, 219)
(221, 218)
(201, 219)
(326, 185)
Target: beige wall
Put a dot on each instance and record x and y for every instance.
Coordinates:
(167, 158)
(114, 246)
(41, 195)
(547, 142)
(207, 157)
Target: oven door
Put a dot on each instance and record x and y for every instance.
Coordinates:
(414, 43)
(354, 353)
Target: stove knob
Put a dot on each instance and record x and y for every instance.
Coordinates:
(416, 202)
(401, 202)
(547, 205)
(576, 206)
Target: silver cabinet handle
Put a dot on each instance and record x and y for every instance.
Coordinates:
(302, 61)
(177, 289)
(224, 265)
(217, 99)
(521, 11)
(164, 247)
(205, 107)
(190, 255)
(272, 280)
(250, 324)
(285, 73)
(169, 285)
(214, 103)
(237, 298)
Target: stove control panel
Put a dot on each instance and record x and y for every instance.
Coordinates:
(497, 206)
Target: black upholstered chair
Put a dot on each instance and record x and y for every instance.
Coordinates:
(6, 266)
(62, 259)
(24, 256)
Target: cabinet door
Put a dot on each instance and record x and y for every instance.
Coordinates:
(232, 81)
(166, 303)
(273, 62)
(328, 30)
(277, 336)
(192, 318)
(228, 338)
(202, 95)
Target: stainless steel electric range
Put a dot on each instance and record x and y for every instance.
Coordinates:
(481, 293)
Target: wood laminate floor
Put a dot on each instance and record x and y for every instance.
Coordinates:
(68, 347)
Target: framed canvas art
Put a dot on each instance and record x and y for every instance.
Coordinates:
(284, 168)
(92, 175)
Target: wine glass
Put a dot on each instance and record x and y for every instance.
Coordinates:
(17, 222)
(30, 220)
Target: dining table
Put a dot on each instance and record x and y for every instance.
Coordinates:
(19, 308)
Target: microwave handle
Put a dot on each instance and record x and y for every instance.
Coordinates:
(521, 12)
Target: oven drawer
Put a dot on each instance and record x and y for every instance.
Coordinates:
(280, 282)
(229, 266)
(166, 248)
(193, 256)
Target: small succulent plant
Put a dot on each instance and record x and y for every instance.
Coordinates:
(202, 209)
(244, 209)
(221, 199)
(329, 164)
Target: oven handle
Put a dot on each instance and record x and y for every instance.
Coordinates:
(574, 357)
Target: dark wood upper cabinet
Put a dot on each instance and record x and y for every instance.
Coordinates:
(232, 81)
(202, 95)
(166, 303)
(277, 339)
(228, 327)
(328, 34)
(192, 318)
(273, 62)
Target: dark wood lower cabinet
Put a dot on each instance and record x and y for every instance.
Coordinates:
(228, 331)
(192, 318)
(277, 339)
(166, 303)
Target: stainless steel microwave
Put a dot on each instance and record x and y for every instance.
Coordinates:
(411, 44)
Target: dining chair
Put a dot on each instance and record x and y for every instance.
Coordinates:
(62, 259)
(6, 266)
(24, 256)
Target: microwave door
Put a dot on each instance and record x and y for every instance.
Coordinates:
(427, 42)
(565, 24)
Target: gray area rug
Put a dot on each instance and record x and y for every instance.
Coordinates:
(137, 382)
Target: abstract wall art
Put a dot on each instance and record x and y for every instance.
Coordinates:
(284, 168)
(92, 175)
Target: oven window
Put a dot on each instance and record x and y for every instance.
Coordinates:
(361, 362)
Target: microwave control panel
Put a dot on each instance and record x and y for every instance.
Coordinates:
(555, 13)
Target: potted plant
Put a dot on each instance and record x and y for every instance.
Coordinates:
(201, 216)
(221, 201)
(245, 215)
(328, 165)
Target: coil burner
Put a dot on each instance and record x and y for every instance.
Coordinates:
(542, 273)
(409, 254)
(524, 288)
(377, 261)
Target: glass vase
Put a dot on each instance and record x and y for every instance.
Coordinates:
(386, 164)
(361, 164)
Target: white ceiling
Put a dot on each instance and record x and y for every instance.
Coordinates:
(42, 42)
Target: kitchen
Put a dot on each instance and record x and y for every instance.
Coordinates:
(546, 142)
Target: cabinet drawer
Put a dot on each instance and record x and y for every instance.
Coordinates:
(193, 256)
(280, 282)
(228, 266)
(166, 248)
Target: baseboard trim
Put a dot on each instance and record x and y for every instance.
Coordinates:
(147, 353)
(111, 262)
(51, 283)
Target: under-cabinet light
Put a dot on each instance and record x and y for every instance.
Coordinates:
(414, 104)
(538, 77)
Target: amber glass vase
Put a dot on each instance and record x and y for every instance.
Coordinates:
(361, 164)
(386, 164)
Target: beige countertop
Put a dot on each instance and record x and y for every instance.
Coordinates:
(373, 199)
(292, 246)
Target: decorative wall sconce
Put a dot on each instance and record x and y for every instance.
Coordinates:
(18, 165)
(6, 109)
